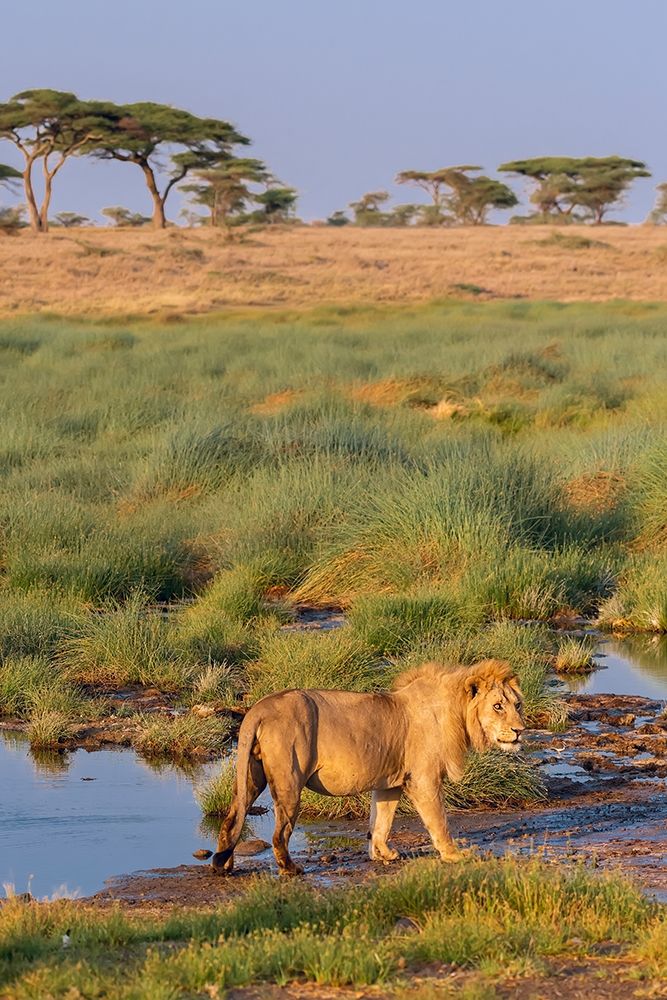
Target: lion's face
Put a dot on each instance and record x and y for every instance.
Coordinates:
(498, 710)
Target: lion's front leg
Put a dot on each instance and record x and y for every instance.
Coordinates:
(383, 806)
(426, 796)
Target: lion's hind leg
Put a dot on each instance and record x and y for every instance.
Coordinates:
(223, 859)
(383, 807)
(286, 802)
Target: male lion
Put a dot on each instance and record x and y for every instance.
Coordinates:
(343, 743)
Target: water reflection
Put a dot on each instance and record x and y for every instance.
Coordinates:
(633, 665)
(80, 818)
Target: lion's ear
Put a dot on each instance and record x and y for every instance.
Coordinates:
(471, 686)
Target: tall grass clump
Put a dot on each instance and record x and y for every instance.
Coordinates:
(335, 659)
(225, 621)
(103, 556)
(195, 458)
(216, 683)
(183, 736)
(640, 600)
(125, 644)
(48, 729)
(277, 516)
(215, 797)
(32, 685)
(574, 656)
(648, 496)
(472, 501)
(390, 623)
(34, 622)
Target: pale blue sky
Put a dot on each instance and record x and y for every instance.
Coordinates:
(339, 95)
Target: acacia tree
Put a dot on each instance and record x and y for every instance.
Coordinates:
(225, 189)
(367, 211)
(457, 197)
(141, 133)
(474, 197)
(435, 183)
(277, 204)
(124, 218)
(48, 126)
(595, 185)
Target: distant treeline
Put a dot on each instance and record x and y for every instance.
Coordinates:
(171, 146)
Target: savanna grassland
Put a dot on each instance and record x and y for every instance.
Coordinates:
(119, 272)
(171, 493)
(442, 473)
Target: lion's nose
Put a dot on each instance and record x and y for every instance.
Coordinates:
(518, 730)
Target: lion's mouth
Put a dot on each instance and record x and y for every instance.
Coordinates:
(509, 744)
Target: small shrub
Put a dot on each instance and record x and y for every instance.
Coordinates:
(215, 796)
(219, 683)
(574, 656)
(183, 736)
(47, 729)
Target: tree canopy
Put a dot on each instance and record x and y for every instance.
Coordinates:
(457, 197)
(367, 210)
(594, 185)
(8, 174)
(226, 190)
(49, 126)
(141, 133)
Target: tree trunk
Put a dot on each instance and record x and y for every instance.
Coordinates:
(31, 201)
(159, 218)
(46, 201)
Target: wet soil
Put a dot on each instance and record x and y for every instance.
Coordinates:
(607, 807)
(574, 979)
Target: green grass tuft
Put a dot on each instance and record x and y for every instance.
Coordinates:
(183, 736)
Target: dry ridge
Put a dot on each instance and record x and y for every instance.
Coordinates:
(141, 272)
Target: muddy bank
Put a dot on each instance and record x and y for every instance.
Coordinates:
(607, 807)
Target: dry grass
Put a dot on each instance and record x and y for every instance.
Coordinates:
(178, 271)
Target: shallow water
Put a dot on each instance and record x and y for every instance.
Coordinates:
(61, 833)
(635, 665)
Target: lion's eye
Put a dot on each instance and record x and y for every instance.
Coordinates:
(498, 707)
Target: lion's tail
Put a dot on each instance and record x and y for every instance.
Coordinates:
(230, 834)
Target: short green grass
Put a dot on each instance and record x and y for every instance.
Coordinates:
(504, 917)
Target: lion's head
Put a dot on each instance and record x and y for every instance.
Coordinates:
(494, 706)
